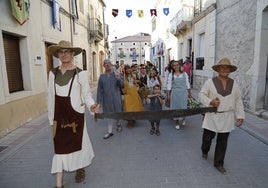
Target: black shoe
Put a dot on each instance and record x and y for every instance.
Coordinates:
(221, 169)
(205, 155)
(108, 135)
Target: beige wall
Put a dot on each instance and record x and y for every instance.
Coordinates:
(16, 113)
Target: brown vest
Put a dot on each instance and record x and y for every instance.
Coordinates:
(219, 87)
(70, 124)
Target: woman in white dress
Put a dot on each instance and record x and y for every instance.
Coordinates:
(68, 95)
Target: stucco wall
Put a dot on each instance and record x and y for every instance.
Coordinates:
(235, 38)
(16, 113)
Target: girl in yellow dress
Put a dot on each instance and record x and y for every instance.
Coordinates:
(132, 100)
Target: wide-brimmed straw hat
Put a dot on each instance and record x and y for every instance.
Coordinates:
(53, 49)
(224, 62)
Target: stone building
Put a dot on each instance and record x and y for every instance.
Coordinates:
(207, 30)
(24, 59)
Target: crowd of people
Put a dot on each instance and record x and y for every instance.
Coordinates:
(125, 88)
(135, 85)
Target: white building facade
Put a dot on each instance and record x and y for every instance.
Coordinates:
(131, 49)
(25, 61)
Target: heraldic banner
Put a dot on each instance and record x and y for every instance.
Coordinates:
(19, 11)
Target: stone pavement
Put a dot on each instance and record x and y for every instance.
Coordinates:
(136, 159)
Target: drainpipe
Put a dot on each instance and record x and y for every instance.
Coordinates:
(71, 17)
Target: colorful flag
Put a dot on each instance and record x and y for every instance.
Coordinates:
(153, 12)
(56, 15)
(129, 13)
(140, 13)
(166, 11)
(115, 12)
(19, 11)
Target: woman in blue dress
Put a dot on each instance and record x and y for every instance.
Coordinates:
(178, 90)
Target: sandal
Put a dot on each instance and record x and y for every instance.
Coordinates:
(152, 131)
(80, 175)
(157, 132)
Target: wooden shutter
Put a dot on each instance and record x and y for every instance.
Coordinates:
(13, 63)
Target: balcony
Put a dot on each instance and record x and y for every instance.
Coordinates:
(95, 30)
(182, 20)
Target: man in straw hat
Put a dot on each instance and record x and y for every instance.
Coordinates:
(68, 95)
(224, 93)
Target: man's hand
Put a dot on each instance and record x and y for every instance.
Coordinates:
(215, 102)
(95, 108)
(239, 122)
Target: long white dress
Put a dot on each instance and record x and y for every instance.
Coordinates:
(230, 107)
(82, 158)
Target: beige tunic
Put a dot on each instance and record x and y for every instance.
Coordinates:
(230, 107)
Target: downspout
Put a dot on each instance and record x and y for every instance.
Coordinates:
(70, 14)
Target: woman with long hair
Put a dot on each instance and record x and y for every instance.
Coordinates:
(132, 100)
(178, 90)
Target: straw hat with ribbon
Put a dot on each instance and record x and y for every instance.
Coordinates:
(224, 62)
(53, 49)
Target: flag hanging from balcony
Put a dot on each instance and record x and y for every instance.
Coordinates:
(140, 13)
(19, 11)
(166, 11)
(129, 13)
(115, 12)
(153, 12)
(56, 21)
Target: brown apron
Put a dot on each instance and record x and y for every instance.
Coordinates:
(70, 124)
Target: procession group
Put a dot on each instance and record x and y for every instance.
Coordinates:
(125, 88)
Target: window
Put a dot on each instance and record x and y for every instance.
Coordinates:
(81, 6)
(202, 45)
(13, 63)
(153, 25)
(197, 7)
(180, 50)
(94, 66)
